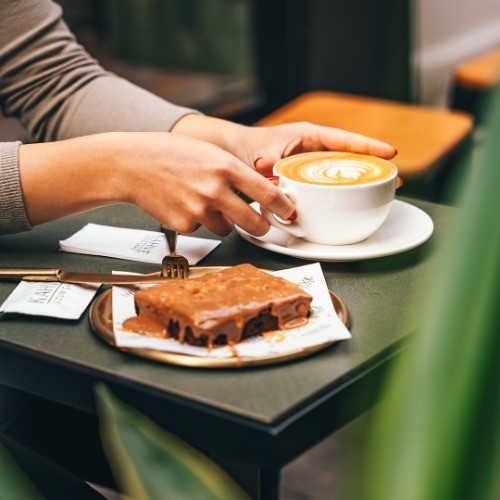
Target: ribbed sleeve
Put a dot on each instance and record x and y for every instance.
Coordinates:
(13, 218)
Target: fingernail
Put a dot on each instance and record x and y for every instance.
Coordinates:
(292, 217)
(272, 177)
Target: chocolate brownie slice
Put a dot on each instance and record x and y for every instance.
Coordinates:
(220, 308)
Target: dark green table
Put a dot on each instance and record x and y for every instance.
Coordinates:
(253, 421)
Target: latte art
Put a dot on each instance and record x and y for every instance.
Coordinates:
(333, 168)
(335, 171)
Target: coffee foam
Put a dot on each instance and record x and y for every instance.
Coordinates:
(333, 168)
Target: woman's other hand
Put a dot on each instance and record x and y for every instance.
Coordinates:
(262, 147)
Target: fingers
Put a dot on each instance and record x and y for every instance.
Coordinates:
(265, 164)
(260, 189)
(341, 140)
(186, 223)
(230, 209)
(244, 215)
(218, 223)
(183, 225)
(274, 179)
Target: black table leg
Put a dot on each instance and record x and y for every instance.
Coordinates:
(259, 483)
(50, 479)
(269, 484)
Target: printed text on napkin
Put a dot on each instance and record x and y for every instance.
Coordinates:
(134, 244)
(52, 299)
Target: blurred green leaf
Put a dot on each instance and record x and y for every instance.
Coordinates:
(14, 483)
(437, 435)
(149, 463)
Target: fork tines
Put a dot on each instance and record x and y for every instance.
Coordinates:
(175, 267)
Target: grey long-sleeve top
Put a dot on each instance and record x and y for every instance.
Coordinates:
(57, 91)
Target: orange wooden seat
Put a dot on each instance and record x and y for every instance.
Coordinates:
(479, 73)
(423, 136)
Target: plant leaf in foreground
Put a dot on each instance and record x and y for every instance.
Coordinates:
(150, 463)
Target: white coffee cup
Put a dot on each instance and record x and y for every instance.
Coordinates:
(338, 210)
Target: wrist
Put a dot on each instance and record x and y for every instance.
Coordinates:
(118, 165)
(222, 133)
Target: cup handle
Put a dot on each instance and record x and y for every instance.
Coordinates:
(289, 227)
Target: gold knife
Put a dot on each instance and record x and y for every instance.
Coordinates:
(36, 274)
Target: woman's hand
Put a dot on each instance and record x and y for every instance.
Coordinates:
(184, 182)
(180, 181)
(262, 147)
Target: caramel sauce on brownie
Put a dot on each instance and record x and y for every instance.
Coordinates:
(220, 308)
(146, 325)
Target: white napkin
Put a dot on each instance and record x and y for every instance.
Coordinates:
(53, 299)
(323, 326)
(134, 244)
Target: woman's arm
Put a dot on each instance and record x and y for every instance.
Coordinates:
(57, 90)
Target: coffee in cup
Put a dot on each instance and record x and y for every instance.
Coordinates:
(337, 169)
(341, 198)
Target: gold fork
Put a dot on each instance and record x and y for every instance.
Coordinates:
(173, 265)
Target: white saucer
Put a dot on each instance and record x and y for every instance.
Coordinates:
(406, 227)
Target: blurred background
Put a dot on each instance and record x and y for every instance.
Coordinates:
(237, 57)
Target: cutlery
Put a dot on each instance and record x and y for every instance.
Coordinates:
(173, 266)
(36, 274)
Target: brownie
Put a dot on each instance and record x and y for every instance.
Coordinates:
(220, 308)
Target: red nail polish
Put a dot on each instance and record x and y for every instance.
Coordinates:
(292, 217)
(272, 177)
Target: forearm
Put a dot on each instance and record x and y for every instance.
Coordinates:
(67, 177)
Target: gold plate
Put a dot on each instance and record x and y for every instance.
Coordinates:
(101, 320)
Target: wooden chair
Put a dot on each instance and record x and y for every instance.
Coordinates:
(474, 78)
(424, 137)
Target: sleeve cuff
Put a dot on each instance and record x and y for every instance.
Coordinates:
(13, 217)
